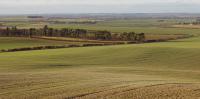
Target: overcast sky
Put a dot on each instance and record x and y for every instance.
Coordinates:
(98, 6)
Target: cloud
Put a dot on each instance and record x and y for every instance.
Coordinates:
(97, 6)
(90, 2)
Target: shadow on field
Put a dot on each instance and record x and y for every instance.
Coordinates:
(60, 65)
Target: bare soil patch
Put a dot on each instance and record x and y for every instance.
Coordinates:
(159, 91)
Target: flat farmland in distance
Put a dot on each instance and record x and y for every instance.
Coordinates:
(148, 25)
(190, 26)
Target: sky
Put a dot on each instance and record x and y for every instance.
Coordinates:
(98, 6)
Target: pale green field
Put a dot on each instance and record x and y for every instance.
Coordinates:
(102, 71)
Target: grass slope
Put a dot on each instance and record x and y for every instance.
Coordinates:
(20, 42)
(107, 71)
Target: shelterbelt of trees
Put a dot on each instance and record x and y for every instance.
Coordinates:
(72, 33)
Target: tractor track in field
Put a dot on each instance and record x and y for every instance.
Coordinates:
(129, 90)
(91, 93)
(55, 86)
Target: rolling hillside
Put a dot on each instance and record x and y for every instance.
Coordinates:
(121, 71)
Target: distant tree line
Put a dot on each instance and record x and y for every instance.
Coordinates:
(129, 36)
(34, 16)
(72, 33)
(197, 22)
(83, 22)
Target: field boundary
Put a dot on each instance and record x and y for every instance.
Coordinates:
(88, 43)
(49, 47)
(83, 40)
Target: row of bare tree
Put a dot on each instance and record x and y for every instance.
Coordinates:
(72, 33)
